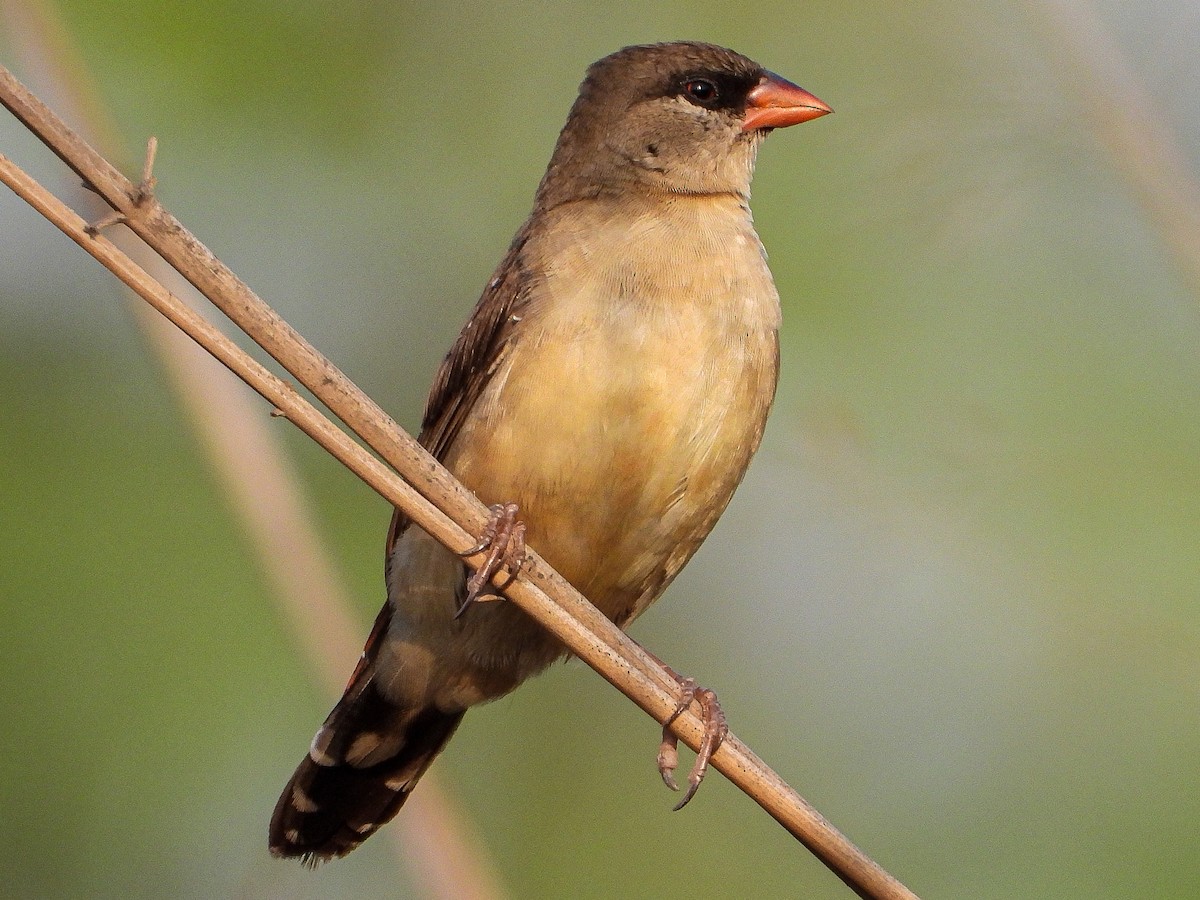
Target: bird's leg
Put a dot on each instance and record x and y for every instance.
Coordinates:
(716, 728)
(503, 539)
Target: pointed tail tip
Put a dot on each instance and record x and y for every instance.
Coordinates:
(331, 805)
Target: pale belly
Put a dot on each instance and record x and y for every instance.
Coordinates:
(622, 438)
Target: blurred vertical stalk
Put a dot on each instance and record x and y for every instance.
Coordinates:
(444, 858)
(1126, 120)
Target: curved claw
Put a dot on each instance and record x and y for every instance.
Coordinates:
(668, 758)
(715, 730)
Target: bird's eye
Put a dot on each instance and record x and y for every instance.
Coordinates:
(701, 90)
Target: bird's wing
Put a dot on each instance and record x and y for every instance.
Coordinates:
(465, 370)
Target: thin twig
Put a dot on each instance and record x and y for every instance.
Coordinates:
(539, 591)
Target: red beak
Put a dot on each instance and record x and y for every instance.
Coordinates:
(777, 103)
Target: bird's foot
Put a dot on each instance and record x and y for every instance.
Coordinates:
(503, 540)
(715, 731)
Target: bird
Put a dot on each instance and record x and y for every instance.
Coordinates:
(605, 397)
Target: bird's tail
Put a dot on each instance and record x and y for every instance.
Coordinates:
(359, 771)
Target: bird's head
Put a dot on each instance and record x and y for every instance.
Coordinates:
(681, 117)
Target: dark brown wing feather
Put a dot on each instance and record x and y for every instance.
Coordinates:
(465, 370)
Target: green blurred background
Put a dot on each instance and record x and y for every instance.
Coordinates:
(954, 602)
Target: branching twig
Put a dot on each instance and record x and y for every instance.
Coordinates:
(435, 501)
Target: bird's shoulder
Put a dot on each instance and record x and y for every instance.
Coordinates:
(464, 371)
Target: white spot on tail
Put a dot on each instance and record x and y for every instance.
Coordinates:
(302, 801)
(318, 750)
(362, 747)
(399, 782)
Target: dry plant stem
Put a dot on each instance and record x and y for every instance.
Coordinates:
(444, 857)
(539, 591)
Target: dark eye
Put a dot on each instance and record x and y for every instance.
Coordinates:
(701, 90)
